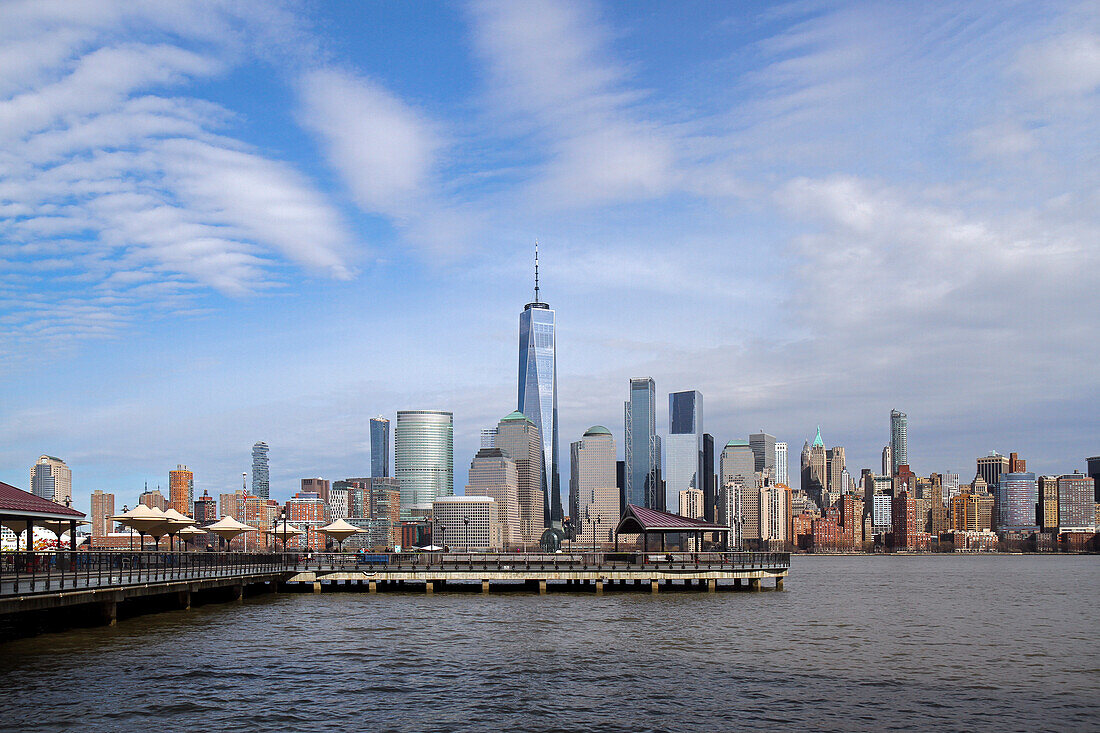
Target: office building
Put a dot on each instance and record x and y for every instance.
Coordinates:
(836, 468)
(153, 499)
(815, 479)
(1015, 500)
(206, 509)
(494, 474)
(261, 471)
(518, 437)
(319, 486)
(103, 506)
(642, 475)
(1076, 511)
(730, 510)
(950, 486)
(538, 391)
(887, 462)
(683, 467)
(737, 462)
(775, 515)
(710, 478)
(1093, 470)
(467, 523)
(181, 489)
(882, 513)
(691, 504)
(338, 501)
(763, 451)
(782, 474)
(52, 479)
(1047, 514)
(899, 439)
(424, 453)
(593, 492)
(488, 437)
(380, 447)
(308, 511)
(991, 467)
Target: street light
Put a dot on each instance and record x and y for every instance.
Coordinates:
(466, 521)
(442, 532)
(599, 518)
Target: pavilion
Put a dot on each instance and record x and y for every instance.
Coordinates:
(640, 520)
(22, 511)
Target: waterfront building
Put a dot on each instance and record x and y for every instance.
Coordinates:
(730, 510)
(882, 519)
(750, 512)
(887, 462)
(737, 462)
(775, 515)
(836, 469)
(261, 471)
(642, 470)
(206, 509)
(319, 486)
(1015, 500)
(683, 467)
(971, 512)
(814, 471)
(899, 439)
(907, 530)
(380, 447)
(595, 496)
(950, 486)
(710, 478)
(538, 391)
(827, 534)
(51, 478)
(468, 523)
(763, 451)
(181, 489)
(494, 474)
(991, 467)
(518, 437)
(374, 505)
(309, 512)
(338, 501)
(691, 504)
(782, 475)
(153, 499)
(851, 520)
(103, 506)
(424, 453)
(939, 520)
(1048, 503)
(1076, 510)
(1093, 470)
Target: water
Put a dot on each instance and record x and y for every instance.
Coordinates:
(1004, 643)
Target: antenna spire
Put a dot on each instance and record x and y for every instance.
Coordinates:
(537, 271)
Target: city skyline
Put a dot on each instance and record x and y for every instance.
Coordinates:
(794, 182)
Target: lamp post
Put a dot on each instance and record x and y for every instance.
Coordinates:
(587, 521)
(466, 521)
(599, 518)
(124, 510)
(442, 531)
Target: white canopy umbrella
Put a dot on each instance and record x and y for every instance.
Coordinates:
(190, 532)
(176, 522)
(340, 531)
(284, 532)
(60, 527)
(228, 528)
(144, 520)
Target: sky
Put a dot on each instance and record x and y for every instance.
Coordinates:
(240, 221)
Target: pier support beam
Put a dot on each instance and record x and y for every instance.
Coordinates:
(712, 585)
(108, 611)
(599, 587)
(654, 586)
(185, 600)
(238, 592)
(485, 586)
(754, 584)
(429, 587)
(372, 586)
(779, 583)
(542, 587)
(316, 586)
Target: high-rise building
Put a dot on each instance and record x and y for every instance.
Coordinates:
(467, 523)
(782, 475)
(424, 452)
(593, 492)
(206, 509)
(538, 390)
(1016, 464)
(261, 473)
(950, 486)
(815, 479)
(991, 467)
(488, 437)
(1093, 471)
(1076, 512)
(379, 447)
(493, 474)
(52, 479)
(763, 451)
(518, 437)
(103, 506)
(887, 461)
(775, 514)
(642, 476)
(899, 439)
(737, 462)
(730, 511)
(153, 499)
(683, 468)
(338, 501)
(1016, 497)
(1047, 514)
(319, 486)
(691, 504)
(309, 512)
(181, 489)
(710, 478)
(836, 466)
(904, 521)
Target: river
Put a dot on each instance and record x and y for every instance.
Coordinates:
(853, 643)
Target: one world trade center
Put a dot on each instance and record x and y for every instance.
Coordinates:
(538, 391)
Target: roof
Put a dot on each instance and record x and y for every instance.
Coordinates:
(737, 444)
(818, 442)
(639, 519)
(23, 503)
(597, 430)
(514, 416)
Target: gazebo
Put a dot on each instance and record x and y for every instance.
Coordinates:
(21, 510)
(643, 521)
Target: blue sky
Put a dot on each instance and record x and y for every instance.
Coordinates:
(222, 223)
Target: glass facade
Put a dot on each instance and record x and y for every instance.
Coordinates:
(899, 440)
(642, 472)
(538, 395)
(684, 448)
(763, 448)
(424, 458)
(261, 474)
(1017, 495)
(379, 447)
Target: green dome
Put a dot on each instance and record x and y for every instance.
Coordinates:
(737, 444)
(517, 415)
(597, 430)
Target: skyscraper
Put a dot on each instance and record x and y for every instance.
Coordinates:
(991, 467)
(642, 476)
(899, 439)
(1093, 470)
(261, 475)
(52, 479)
(424, 453)
(738, 462)
(593, 492)
(181, 489)
(710, 480)
(379, 447)
(103, 506)
(887, 462)
(763, 450)
(781, 471)
(494, 474)
(1076, 511)
(814, 471)
(684, 447)
(1016, 495)
(518, 438)
(538, 390)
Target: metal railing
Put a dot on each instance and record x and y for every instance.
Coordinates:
(23, 573)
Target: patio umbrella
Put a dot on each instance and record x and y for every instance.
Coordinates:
(145, 521)
(340, 531)
(228, 528)
(284, 532)
(60, 527)
(190, 532)
(177, 522)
